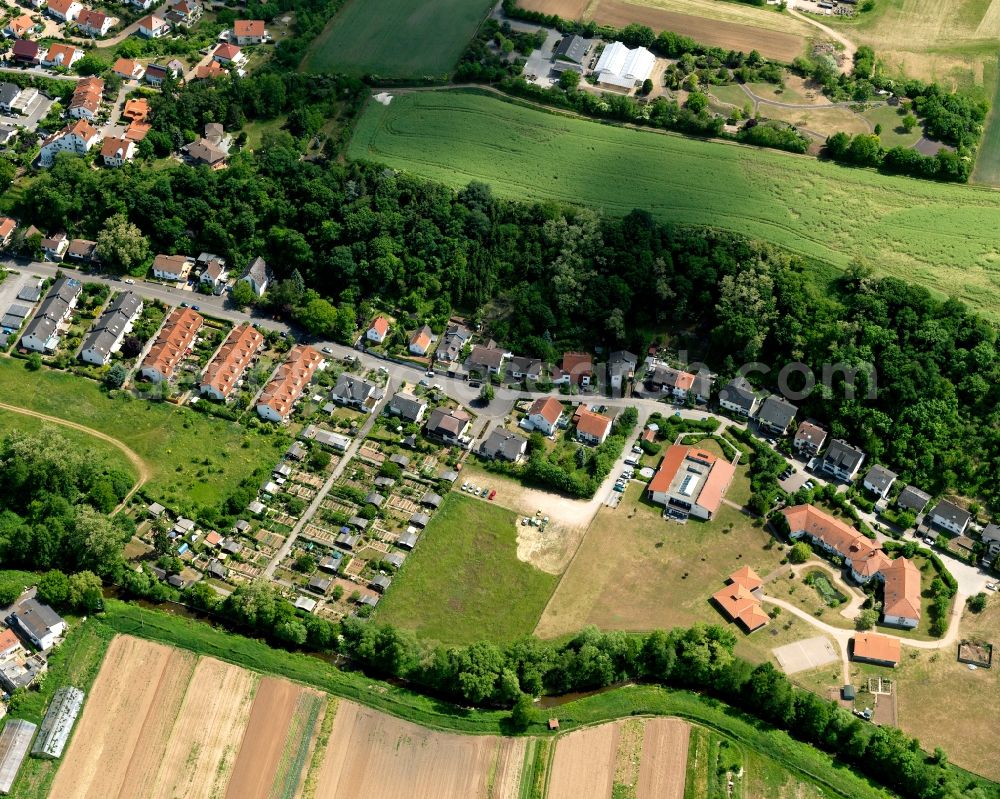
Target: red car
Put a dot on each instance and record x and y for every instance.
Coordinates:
(493, 493)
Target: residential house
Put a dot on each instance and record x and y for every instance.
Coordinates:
(809, 439)
(249, 31)
(128, 69)
(949, 516)
(7, 228)
(257, 276)
(421, 341)
(55, 246)
(136, 109)
(153, 27)
(82, 250)
(214, 275)
(379, 330)
(879, 480)
(407, 406)
(157, 73)
(621, 369)
(486, 360)
(28, 52)
(690, 482)
(841, 460)
(355, 392)
(188, 12)
(94, 23)
(7, 134)
(9, 643)
(882, 650)
(20, 27)
(40, 623)
(106, 336)
(42, 332)
(145, 5)
(212, 149)
(117, 152)
(990, 533)
(504, 445)
(227, 367)
(452, 343)
(864, 559)
(175, 268)
(229, 55)
(15, 100)
(521, 368)
(77, 138)
(288, 383)
(666, 380)
(544, 415)
(913, 499)
(740, 600)
(591, 428)
(172, 343)
(64, 10)
(209, 71)
(776, 414)
(448, 425)
(577, 369)
(87, 97)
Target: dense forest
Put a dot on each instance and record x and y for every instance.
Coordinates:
(543, 278)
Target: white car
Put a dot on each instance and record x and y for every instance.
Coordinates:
(991, 586)
(130, 281)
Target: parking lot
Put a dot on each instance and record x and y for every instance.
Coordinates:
(36, 110)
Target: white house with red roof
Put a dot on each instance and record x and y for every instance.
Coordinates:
(229, 55)
(153, 27)
(544, 415)
(76, 138)
(250, 31)
(379, 330)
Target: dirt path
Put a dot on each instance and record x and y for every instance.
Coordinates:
(134, 458)
(849, 47)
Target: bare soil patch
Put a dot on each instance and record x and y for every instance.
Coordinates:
(664, 759)
(567, 9)
(265, 739)
(729, 35)
(372, 754)
(584, 763)
(121, 735)
(202, 748)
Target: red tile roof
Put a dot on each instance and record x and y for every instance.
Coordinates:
(865, 556)
(7, 226)
(173, 341)
(291, 379)
(380, 325)
(249, 27)
(902, 589)
(738, 601)
(720, 475)
(548, 408)
(232, 359)
(577, 364)
(872, 646)
(591, 424)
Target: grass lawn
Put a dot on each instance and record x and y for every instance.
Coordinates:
(893, 134)
(464, 581)
(101, 450)
(988, 161)
(636, 571)
(938, 235)
(396, 38)
(76, 662)
(255, 130)
(175, 442)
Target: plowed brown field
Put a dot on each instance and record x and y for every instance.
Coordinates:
(372, 754)
(122, 733)
(584, 764)
(664, 759)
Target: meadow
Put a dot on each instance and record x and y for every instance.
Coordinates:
(193, 458)
(459, 581)
(395, 38)
(942, 236)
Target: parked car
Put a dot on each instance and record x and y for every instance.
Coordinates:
(130, 281)
(991, 586)
(493, 493)
(809, 485)
(430, 373)
(328, 350)
(620, 488)
(195, 307)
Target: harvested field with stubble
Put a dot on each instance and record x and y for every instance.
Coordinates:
(584, 763)
(205, 738)
(372, 754)
(121, 735)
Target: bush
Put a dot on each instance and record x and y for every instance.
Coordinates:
(800, 552)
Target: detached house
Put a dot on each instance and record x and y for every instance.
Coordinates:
(105, 337)
(577, 369)
(257, 276)
(407, 406)
(20, 27)
(188, 12)
(841, 460)
(450, 347)
(591, 428)
(504, 445)
(809, 439)
(128, 69)
(61, 56)
(172, 267)
(356, 393)
(421, 341)
(26, 51)
(949, 516)
(664, 379)
(40, 623)
(740, 600)
(229, 55)
(153, 27)
(379, 330)
(738, 397)
(448, 425)
(94, 23)
(913, 499)
(213, 272)
(544, 415)
(7, 228)
(521, 368)
(486, 361)
(879, 480)
(64, 10)
(211, 150)
(776, 414)
(77, 138)
(86, 100)
(621, 369)
(117, 152)
(249, 31)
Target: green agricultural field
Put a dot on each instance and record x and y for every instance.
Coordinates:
(462, 580)
(396, 38)
(988, 162)
(938, 235)
(194, 459)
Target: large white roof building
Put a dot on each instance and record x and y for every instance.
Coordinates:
(619, 66)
